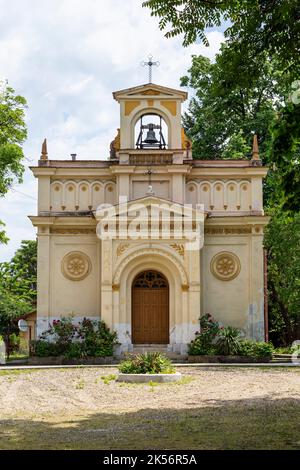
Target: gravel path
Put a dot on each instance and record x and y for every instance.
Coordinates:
(209, 409)
(83, 390)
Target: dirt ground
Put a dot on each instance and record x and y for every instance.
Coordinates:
(224, 408)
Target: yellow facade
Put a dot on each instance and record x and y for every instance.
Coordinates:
(84, 275)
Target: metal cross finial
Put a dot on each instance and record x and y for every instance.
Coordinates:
(150, 64)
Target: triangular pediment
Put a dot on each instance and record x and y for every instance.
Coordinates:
(150, 90)
(147, 203)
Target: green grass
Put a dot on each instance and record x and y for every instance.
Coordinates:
(247, 425)
(17, 356)
(80, 385)
(17, 371)
(108, 378)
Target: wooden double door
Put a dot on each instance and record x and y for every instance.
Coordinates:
(150, 309)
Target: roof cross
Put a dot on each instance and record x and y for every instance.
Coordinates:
(150, 64)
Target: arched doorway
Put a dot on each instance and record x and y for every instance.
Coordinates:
(150, 308)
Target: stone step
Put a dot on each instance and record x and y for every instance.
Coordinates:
(148, 350)
(282, 356)
(144, 348)
(281, 361)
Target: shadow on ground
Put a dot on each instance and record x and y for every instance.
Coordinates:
(238, 424)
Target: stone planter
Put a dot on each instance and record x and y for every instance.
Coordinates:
(61, 360)
(146, 378)
(227, 359)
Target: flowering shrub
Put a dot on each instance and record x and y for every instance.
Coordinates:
(213, 340)
(205, 340)
(64, 338)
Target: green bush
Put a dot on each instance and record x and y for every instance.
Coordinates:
(64, 338)
(203, 344)
(255, 349)
(14, 342)
(215, 340)
(149, 363)
(97, 339)
(228, 341)
(42, 348)
(74, 351)
(288, 349)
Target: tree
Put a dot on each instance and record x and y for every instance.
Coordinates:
(13, 133)
(285, 153)
(12, 307)
(227, 108)
(282, 240)
(19, 276)
(260, 25)
(255, 28)
(17, 288)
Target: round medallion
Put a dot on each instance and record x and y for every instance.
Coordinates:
(76, 266)
(225, 266)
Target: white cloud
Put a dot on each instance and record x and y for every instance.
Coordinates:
(66, 57)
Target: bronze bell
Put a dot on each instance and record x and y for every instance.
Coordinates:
(151, 137)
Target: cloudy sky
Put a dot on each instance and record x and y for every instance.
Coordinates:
(66, 57)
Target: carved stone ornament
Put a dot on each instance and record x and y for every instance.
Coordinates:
(122, 248)
(76, 266)
(179, 247)
(225, 266)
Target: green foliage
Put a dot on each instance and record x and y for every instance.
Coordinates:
(215, 340)
(108, 378)
(259, 34)
(282, 240)
(190, 17)
(14, 341)
(13, 133)
(17, 289)
(97, 338)
(285, 153)
(149, 363)
(204, 343)
(257, 26)
(42, 348)
(227, 108)
(64, 338)
(228, 341)
(19, 275)
(255, 349)
(12, 307)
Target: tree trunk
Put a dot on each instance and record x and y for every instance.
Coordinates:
(289, 330)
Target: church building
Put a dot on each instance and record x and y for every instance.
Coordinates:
(149, 239)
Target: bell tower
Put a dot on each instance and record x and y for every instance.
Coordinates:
(150, 124)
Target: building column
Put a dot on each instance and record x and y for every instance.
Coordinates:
(106, 283)
(43, 280)
(256, 307)
(44, 200)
